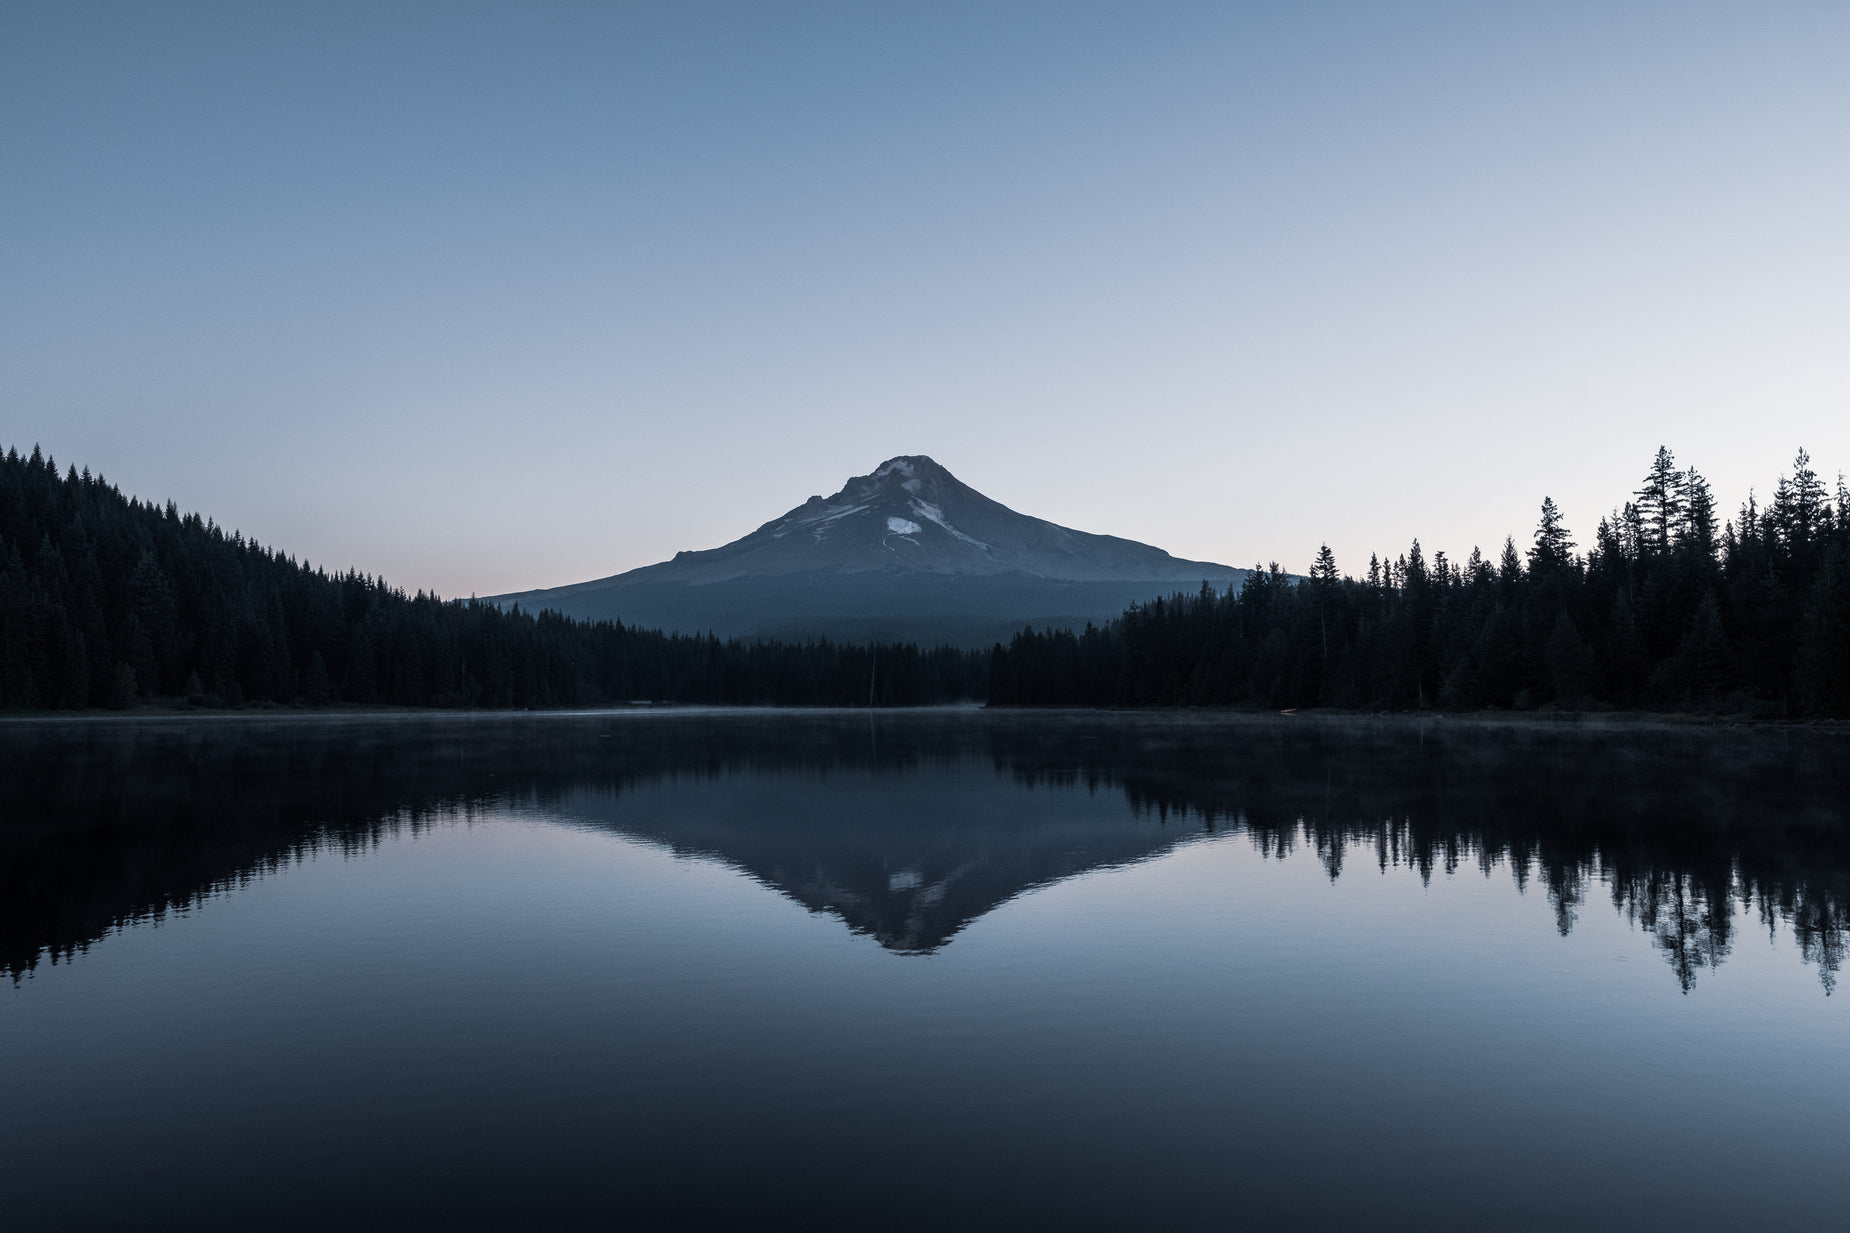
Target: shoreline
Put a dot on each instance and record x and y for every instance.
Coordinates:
(1584, 720)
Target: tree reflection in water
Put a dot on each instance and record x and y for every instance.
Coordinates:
(1684, 829)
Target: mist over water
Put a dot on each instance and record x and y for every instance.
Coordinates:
(997, 969)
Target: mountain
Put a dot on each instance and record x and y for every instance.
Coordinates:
(908, 552)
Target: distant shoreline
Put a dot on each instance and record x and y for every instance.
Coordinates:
(1585, 720)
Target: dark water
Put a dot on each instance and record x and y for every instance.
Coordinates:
(660, 970)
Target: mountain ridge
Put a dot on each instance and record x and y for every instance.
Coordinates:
(907, 550)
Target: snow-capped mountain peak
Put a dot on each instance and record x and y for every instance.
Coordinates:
(899, 538)
(894, 500)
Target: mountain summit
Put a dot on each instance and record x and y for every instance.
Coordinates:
(908, 551)
(913, 515)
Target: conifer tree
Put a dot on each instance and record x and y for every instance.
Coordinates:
(1800, 509)
(1660, 502)
(317, 690)
(1509, 567)
(1696, 527)
(1570, 663)
(1823, 661)
(1552, 544)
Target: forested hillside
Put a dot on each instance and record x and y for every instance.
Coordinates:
(1669, 608)
(106, 602)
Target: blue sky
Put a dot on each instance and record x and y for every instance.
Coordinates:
(484, 297)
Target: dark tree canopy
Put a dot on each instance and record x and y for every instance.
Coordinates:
(1663, 612)
(106, 601)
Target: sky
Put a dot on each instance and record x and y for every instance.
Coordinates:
(481, 297)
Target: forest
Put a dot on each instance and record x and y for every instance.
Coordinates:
(110, 602)
(1670, 608)
(107, 601)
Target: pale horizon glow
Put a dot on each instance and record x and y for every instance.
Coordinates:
(488, 298)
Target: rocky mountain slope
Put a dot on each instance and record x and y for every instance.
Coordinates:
(908, 552)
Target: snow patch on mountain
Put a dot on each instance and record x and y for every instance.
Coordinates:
(931, 513)
(819, 524)
(903, 526)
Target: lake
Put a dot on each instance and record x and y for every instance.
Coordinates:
(937, 969)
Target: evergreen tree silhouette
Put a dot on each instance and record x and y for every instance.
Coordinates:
(1660, 502)
(1665, 611)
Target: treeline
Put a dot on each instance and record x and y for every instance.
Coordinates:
(106, 601)
(1670, 608)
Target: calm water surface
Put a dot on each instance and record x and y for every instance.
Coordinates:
(932, 970)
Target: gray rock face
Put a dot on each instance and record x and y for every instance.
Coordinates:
(908, 552)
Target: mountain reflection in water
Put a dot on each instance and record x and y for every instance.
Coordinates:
(113, 823)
